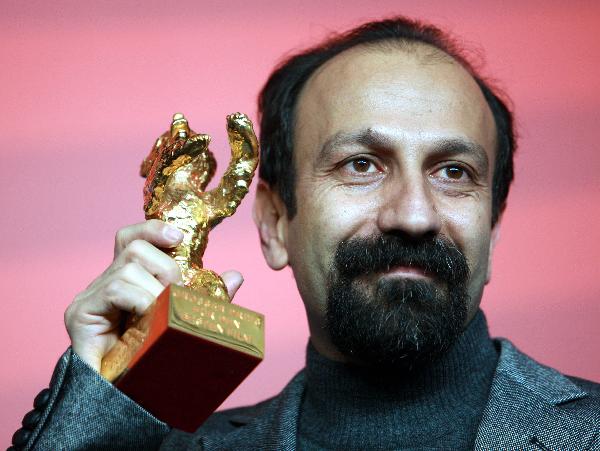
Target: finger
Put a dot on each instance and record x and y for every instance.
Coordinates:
(105, 303)
(233, 281)
(154, 231)
(153, 260)
(135, 274)
(130, 297)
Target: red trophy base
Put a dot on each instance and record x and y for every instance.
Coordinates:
(196, 353)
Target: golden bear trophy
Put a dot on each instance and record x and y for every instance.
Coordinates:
(183, 357)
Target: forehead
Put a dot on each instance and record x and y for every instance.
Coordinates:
(413, 93)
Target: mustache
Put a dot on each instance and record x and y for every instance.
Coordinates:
(436, 256)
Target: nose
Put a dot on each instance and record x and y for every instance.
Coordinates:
(408, 207)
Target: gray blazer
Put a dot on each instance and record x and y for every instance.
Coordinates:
(531, 407)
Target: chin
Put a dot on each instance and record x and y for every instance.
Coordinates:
(403, 323)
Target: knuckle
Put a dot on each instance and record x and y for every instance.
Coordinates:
(129, 270)
(114, 289)
(74, 306)
(68, 315)
(136, 247)
(73, 312)
(120, 237)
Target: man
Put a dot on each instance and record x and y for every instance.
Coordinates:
(386, 164)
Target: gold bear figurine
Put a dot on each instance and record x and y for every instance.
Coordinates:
(177, 171)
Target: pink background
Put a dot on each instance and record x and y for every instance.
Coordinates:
(87, 87)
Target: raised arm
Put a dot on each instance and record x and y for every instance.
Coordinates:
(225, 198)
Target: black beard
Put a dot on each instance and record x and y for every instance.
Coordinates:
(396, 323)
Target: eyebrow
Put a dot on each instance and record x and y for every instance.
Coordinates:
(366, 137)
(373, 139)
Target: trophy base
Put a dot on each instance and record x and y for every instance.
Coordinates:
(198, 350)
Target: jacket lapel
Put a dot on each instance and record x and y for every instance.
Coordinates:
(533, 407)
(274, 429)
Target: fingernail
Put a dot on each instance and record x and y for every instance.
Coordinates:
(173, 234)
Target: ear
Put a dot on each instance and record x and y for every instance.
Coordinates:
(270, 217)
(495, 236)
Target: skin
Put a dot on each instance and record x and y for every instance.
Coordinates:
(406, 144)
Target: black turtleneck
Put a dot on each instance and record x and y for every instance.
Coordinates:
(438, 406)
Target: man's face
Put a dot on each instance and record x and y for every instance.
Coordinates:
(389, 142)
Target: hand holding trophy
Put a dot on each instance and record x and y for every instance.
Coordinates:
(192, 348)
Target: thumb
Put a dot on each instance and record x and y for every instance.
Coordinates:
(233, 280)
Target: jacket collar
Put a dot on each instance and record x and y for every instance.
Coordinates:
(528, 407)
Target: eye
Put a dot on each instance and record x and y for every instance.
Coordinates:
(454, 172)
(361, 166)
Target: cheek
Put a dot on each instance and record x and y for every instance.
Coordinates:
(468, 225)
(325, 217)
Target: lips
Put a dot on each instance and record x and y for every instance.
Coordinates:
(413, 272)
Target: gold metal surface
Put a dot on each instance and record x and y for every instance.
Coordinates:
(224, 323)
(177, 171)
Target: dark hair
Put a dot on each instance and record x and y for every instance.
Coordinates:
(278, 98)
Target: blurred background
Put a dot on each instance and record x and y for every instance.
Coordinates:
(86, 87)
